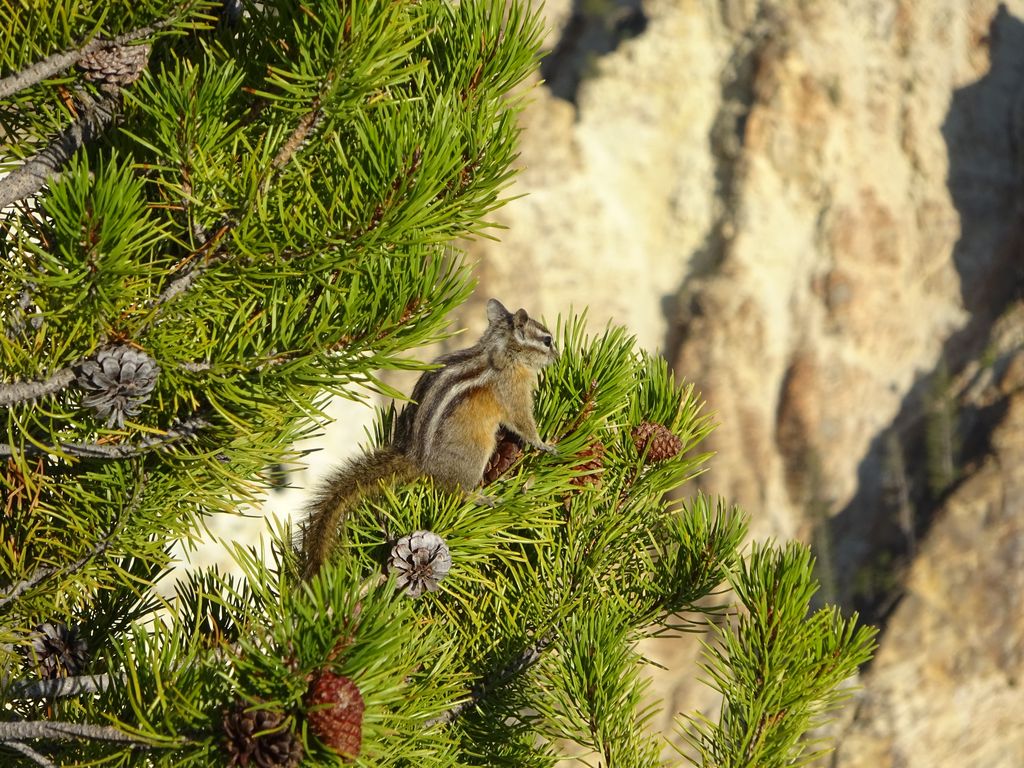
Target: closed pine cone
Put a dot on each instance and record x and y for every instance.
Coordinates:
(335, 713)
(659, 442)
(593, 463)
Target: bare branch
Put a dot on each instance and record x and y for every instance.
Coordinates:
(30, 177)
(529, 656)
(183, 431)
(57, 731)
(31, 754)
(20, 391)
(61, 686)
(48, 67)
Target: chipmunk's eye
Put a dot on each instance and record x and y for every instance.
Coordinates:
(547, 341)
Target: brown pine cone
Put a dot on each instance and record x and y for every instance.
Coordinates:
(507, 451)
(260, 738)
(593, 463)
(334, 711)
(659, 442)
(115, 66)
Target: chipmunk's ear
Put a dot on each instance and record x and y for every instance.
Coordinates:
(496, 312)
(521, 319)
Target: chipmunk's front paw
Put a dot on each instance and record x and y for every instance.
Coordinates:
(547, 448)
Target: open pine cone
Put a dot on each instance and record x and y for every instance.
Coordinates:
(420, 560)
(260, 738)
(115, 65)
(118, 381)
(57, 651)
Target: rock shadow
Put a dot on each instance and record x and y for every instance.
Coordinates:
(900, 486)
(594, 29)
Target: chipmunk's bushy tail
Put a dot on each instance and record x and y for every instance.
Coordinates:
(357, 478)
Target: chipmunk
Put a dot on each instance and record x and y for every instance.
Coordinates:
(448, 431)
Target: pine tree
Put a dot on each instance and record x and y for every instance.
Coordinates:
(215, 216)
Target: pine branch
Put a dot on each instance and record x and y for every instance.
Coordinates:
(58, 62)
(62, 686)
(95, 117)
(183, 431)
(526, 659)
(31, 754)
(58, 731)
(20, 391)
(307, 124)
(30, 177)
(101, 546)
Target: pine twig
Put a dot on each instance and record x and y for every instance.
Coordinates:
(526, 659)
(31, 754)
(41, 574)
(30, 177)
(208, 243)
(585, 410)
(59, 731)
(306, 125)
(20, 391)
(183, 431)
(184, 282)
(62, 686)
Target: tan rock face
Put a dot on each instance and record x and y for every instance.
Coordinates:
(945, 687)
(812, 208)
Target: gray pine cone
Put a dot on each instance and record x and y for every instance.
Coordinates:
(419, 562)
(115, 66)
(57, 651)
(118, 381)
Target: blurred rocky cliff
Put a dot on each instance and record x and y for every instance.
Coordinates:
(815, 210)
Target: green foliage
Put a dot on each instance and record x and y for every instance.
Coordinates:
(253, 227)
(779, 669)
(267, 223)
(941, 439)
